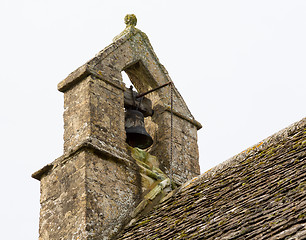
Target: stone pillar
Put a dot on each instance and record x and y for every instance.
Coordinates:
(93, 109)
(185, 159)
(89, 192)
(87, 195)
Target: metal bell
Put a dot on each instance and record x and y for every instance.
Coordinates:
(136, 134)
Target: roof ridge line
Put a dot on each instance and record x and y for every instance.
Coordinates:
(265, 143)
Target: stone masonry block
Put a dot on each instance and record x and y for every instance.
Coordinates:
(113, 190)
(107, 115)
(87, 196)
(63, 200)
(76, 115)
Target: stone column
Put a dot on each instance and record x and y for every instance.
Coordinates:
(89, 192)
(185, 159)
(93, 110)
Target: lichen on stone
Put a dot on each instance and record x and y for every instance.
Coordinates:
(130, 20)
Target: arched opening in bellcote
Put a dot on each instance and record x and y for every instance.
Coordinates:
(137, 76)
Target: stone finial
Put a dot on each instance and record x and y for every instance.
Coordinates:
(130, 20)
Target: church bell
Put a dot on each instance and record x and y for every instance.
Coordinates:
(136, 134)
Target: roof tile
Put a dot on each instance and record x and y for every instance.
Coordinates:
(258, 194)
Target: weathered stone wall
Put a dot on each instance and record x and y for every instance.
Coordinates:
(136, 57)
(88, 196)
(113, 190)
(76, 114)
(63, 200)
(185, 163)
(90, 192)
(94, 109)
(107, 114)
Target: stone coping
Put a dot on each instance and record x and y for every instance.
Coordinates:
(80, 74)
(90, 143)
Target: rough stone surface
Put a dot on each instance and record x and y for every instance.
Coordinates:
(87, 196)
(92, 191)
(103, 105)
(94, 108)
(258, 194)
(63, 196)
(185, 149)
(113, 189)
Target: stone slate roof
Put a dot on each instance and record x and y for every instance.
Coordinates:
(258, 194)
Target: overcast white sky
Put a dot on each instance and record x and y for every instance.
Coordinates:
(240, 66)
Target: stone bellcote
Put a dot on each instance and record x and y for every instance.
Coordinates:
(91, 191)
